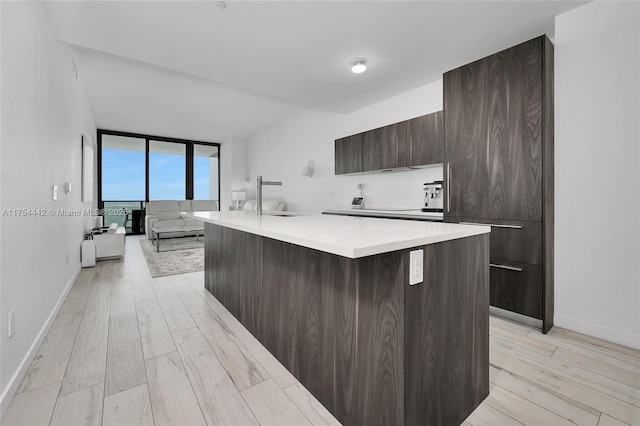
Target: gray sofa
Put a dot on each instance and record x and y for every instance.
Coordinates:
(166, 214)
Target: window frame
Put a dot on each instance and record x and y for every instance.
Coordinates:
(189, 159)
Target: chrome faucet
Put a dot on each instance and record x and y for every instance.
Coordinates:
(259, 192)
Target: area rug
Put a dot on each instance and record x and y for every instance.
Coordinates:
(177, 256)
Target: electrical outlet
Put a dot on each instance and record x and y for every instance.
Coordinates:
(11, 327)
(416, 267)
(331, 194)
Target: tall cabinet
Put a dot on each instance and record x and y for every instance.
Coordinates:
(498, 114)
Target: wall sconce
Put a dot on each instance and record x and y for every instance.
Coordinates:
(238, 196)
(309, 170)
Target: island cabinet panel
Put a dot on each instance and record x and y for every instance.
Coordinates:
(380, 342)
(342, 400)
(446, 321)
(309, 324)
(353, 331)
(227, 262)
(214, 263)
(348, 154)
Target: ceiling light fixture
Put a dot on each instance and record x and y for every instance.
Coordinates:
(221, 4)
(359, 66)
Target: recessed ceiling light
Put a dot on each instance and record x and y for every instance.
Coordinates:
(221, 4)
(359, 66)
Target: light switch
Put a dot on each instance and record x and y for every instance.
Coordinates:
(55, 192)
(416, 267)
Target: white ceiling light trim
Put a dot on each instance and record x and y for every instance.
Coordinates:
(359, 66)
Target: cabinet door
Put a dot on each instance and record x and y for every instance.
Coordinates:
(400, 133)
(380, 147)
(516, 287)
(348, 154)
(493, 135)
(426, 139)
(513, 240)
(372, 150)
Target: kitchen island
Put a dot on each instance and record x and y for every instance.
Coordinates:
(329, 297)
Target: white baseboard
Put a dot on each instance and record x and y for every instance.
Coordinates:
(604, 333)
(9, 392)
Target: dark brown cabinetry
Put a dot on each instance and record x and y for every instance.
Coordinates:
(499, 168)
(410, 143)
(372, 349)
(426, 139)
(374, 150)
(386, 147)
(348, 154)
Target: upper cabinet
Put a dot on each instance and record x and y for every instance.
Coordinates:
(348, 154)
(386, 147)
(494, 135)
(411, 143)
(426, 139)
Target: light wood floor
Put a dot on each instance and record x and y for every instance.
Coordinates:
(127, 349)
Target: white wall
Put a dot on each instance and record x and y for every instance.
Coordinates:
(279, 152)
(233, 168)
(597, 147)
(45, 111)
(214, 167)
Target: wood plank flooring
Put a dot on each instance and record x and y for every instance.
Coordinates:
(128, 349)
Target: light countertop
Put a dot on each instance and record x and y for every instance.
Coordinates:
(346, 236)
(400, 214)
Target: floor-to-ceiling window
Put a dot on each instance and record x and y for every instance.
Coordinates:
(123, 176)
(167, 170)
(206, 163)
(134, 168)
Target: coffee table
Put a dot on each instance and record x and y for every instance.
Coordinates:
(156, 233)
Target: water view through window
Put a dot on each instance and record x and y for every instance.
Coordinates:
(123, 171)
(205, 172)
(167, 171)
(123, 177)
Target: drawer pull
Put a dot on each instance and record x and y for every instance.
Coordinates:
(448, 187)
(511, 268)
(492, 224)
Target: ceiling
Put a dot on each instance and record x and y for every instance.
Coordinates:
(190, 69)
